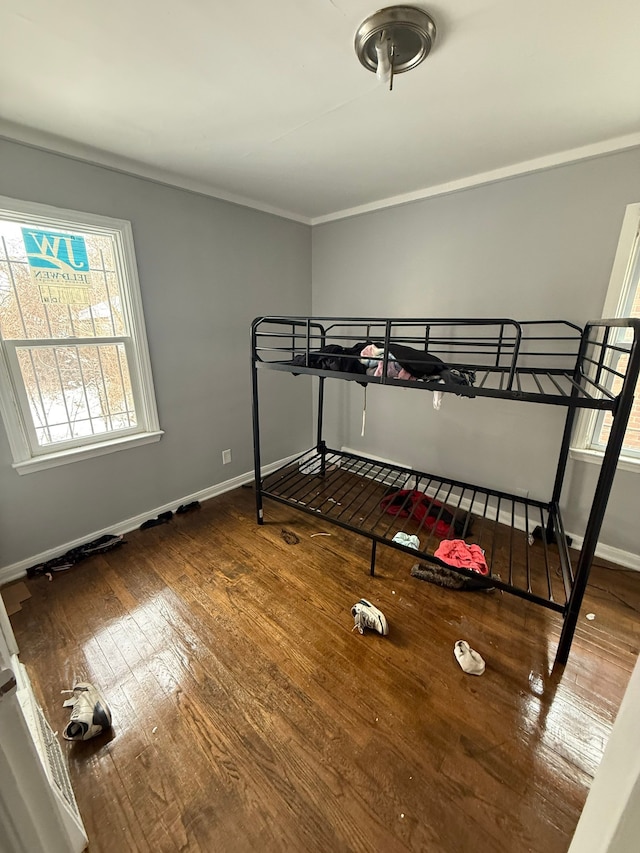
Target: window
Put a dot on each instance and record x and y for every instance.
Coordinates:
(75, 376)
(623, 300)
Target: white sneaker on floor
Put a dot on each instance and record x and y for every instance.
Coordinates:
(90, 716)
(468, 658)
(368, 616)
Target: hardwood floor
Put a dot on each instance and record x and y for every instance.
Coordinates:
(248, 715)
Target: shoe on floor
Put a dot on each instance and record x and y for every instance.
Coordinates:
(368, 616)
(90, 716)
(187, 507)
(468, 658)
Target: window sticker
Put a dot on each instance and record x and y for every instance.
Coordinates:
(59, 266)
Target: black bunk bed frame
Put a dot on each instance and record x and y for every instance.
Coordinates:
(551, 362)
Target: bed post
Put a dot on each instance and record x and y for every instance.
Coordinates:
(596, 516)
(256, 424)
(621, 416)
(562, 465)
(320, 444)
(566, 436)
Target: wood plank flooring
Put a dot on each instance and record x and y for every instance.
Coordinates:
(248, 715)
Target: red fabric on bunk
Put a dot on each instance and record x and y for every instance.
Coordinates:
(409, 502)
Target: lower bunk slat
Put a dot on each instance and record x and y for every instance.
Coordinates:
(346, 490)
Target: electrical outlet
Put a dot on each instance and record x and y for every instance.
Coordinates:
(226, 457)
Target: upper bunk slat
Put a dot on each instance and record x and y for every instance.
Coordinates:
(553, 362)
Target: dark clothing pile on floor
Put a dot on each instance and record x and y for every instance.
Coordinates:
(75, 555)
(448, 578)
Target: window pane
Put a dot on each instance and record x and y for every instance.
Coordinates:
(631, 444)
(56, 283)
(631, 308)
(77, 391)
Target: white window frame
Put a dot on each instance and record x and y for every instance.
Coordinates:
(14, 407)
(623, 266)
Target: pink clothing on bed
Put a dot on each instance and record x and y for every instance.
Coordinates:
(457, 553)
(370, 355)
(373, 357)
(394, 371)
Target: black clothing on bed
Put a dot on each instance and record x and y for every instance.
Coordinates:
(417, 362)
(334, 357)
(424, 365)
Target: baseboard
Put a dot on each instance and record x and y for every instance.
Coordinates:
(19, 569)
(409, 484)
(608, 552)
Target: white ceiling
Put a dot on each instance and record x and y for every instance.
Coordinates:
(266, 102)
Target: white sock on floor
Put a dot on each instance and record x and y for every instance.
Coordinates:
(470, 661)
(407, 539)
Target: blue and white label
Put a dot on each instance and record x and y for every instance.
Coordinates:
(59, 265)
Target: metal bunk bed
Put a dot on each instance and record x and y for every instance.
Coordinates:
(549, 362)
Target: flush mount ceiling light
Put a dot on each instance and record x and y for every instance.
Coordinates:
(394, 40)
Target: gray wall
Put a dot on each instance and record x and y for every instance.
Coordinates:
(533, 247)
(206, 268)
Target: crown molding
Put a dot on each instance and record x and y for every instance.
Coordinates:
(540, 164)
(53, 144)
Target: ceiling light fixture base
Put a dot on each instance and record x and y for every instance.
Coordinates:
(403, 34)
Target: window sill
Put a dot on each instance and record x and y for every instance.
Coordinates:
(62, 457)
(625, 463)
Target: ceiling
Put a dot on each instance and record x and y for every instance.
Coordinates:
(266, 103)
